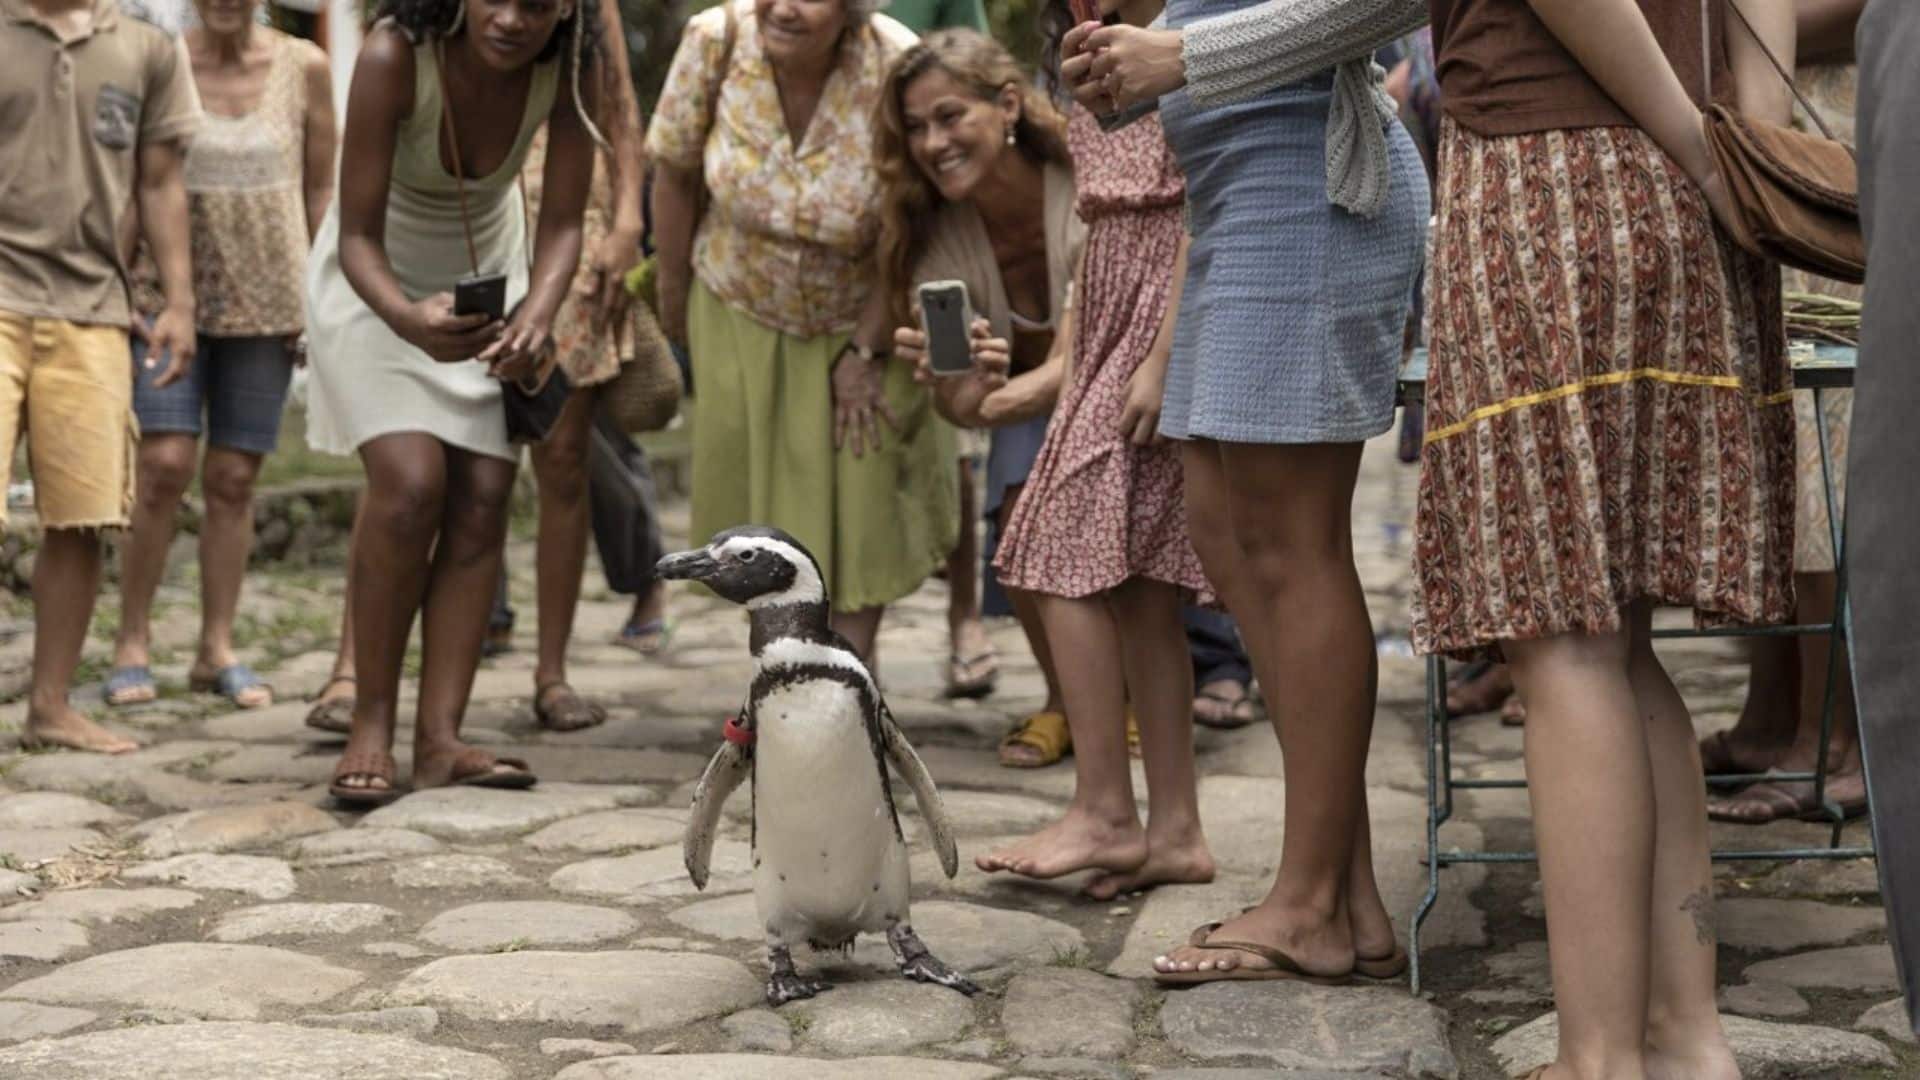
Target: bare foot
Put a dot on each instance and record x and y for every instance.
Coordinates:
(1075, 842)
(1317, 947)
(69, 729)
(1184, 863)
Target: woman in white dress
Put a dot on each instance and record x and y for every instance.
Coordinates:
(415, 389)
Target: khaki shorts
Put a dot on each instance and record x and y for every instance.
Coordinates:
(71, 384)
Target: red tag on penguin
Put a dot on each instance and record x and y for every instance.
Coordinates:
(736, 730)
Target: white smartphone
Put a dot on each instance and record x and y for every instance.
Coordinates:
(947, 317)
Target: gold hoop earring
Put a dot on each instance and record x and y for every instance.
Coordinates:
(459, 19)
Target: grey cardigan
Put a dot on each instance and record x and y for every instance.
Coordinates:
(1244, 52)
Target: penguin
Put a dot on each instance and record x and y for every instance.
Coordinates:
(815, 740)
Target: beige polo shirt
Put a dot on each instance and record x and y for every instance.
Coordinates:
(72, 117)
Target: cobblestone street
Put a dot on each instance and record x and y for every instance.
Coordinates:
(199, 909)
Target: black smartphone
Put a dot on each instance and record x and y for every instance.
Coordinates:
(481, 294)
(947, 317)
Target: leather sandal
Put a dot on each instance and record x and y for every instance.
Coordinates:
(367, 764)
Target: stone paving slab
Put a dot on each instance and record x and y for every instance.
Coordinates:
(637, 992)
(755, 1067)
(472, 814)
(217, 982)
(526, 924)
(25, 1020)
(1300, 1026)
(1764, 1051)
(242, 1052)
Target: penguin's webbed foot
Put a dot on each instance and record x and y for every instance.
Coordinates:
(785, 986)
(919, 964)
(929, 969)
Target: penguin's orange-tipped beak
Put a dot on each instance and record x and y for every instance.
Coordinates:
(687, 566)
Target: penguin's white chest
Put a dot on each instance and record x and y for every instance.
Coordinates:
(827, 861)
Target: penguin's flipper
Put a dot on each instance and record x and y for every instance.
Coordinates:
(914, 772)
(732, 764)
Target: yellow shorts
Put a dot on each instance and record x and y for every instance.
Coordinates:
(71, 385)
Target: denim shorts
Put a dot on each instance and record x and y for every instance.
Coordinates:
(239, 383)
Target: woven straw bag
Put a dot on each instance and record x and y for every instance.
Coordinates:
(646, 394)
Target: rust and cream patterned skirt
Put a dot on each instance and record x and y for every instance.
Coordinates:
(1609, 413)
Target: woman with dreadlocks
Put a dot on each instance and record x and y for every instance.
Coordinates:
(426, 198)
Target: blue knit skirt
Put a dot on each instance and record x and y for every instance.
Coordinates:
(1294, 311)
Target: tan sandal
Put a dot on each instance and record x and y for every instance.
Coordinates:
(1044, 734)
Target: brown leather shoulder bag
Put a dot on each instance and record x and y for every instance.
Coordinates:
(1797, 194)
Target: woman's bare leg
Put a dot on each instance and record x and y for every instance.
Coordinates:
(466, 564)
(560, 465)
(1684, 1038)
(1159, 683)
(400, 514)
(164, 469)
(226, 541)
(341, 681)
(1592, 788)
(1101, 829)
(1288, 577)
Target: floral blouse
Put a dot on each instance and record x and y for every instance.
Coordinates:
(789, 231)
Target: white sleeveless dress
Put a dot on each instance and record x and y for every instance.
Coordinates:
(365, 381)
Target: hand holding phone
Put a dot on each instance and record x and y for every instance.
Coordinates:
(946, 315)
(433, 325)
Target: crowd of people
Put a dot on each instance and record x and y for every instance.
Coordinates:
(1193, 245)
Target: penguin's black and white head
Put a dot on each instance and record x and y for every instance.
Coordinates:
(754, 565)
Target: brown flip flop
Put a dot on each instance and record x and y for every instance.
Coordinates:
(474, 767)
(1285, 968)
(369, 763)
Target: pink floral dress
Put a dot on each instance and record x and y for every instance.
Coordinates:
(1098, 510)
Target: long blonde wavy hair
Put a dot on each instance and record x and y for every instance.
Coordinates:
(908, 200)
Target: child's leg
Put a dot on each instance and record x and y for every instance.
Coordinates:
(1592, 790)
(1684, 1036)
(1159, 683)
(1101, 829)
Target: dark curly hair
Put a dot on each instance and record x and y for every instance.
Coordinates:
(1055, 19)
(578, 34)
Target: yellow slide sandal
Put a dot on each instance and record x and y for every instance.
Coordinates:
(1041, 740)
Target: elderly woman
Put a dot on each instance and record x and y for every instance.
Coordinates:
(766, 207)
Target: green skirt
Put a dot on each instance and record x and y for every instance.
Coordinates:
(763, 454)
